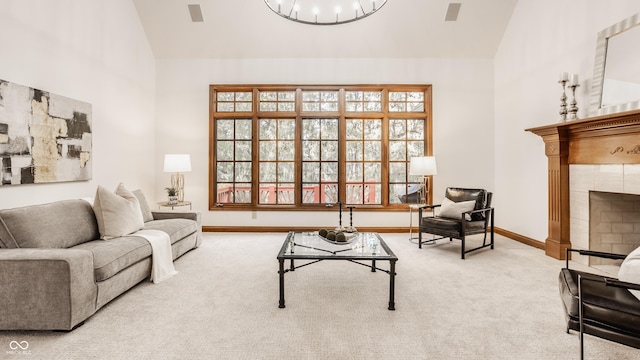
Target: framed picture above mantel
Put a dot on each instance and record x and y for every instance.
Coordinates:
(44, 137)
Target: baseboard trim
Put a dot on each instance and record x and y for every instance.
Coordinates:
(398, 229)
(520, 238)
(296, 228)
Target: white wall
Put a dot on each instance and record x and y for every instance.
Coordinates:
(462, 106)
(94, 51)
(543, 39)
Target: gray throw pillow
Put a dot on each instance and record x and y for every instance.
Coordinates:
(118, 213)
(144, 205)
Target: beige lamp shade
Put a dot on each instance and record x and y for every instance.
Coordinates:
(177, 163)
(423, 165)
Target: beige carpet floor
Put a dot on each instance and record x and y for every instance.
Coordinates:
(496, 304)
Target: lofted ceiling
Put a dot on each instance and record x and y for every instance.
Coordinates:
(248, 29)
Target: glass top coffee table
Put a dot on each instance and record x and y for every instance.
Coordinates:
(313, 248)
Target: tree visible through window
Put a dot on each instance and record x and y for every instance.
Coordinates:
(320, 164)
(296, 147)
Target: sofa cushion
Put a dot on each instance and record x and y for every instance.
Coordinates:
(176, 228)
(451, 225)
(44, 226)
(111, 257)
(118, 213)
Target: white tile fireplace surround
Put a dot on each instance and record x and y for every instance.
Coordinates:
(622, 233)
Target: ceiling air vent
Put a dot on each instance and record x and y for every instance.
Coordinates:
(196, 13)
(452, 12)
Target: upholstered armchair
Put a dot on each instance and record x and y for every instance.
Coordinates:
(463, 212)
(602, 306)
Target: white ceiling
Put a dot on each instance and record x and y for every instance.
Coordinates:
(248, 29)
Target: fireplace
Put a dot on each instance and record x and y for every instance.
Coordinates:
(599, 154)
(614, 224)
(604, 209)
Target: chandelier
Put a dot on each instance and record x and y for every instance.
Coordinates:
(324, 12)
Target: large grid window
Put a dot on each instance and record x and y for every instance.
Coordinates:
(277, 166)
(364, 161)
(233, 160)
(277, 101)
(406, 140)
(316, 101)
(305, 147)
(320, 161)
(234, 101)
(363, 100)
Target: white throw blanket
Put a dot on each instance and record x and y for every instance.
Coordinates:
(161, 258)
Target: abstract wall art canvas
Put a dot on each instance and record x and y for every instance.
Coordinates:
(44, 137)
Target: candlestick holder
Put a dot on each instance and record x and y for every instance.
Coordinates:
(573, 108)
(563, 101)
(340, 227)
(350, 228)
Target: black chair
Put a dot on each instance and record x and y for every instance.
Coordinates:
(598, 305)
(479, 220)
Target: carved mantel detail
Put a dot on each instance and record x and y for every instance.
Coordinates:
(607, 139)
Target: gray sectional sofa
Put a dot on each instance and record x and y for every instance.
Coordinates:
(55, 272)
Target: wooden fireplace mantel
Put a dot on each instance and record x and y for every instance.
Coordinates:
(606, 139)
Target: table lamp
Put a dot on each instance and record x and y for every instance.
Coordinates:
(177, 164)
(423, 166)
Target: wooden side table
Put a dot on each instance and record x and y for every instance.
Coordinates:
(172, 206)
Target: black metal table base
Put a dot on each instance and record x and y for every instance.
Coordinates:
(373, 267)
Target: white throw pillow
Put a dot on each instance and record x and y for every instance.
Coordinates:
(630, 270)
(454, 210)
(118, 213)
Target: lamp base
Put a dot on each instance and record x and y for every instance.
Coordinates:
(424, 190)
(177, 182)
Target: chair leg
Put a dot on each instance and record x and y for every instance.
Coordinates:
(581, 316)
(462, 251)
(419, 239)
(491, 238)
(492, 215)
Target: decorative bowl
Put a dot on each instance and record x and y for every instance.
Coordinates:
(348, 238)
